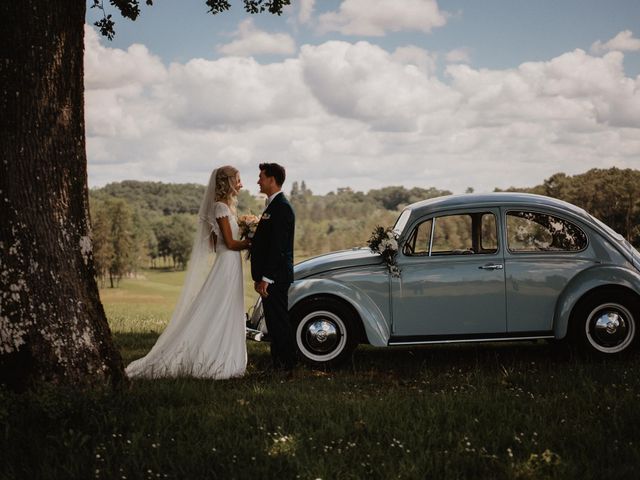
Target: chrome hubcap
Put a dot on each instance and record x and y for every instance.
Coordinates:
(610, 328)
(321, 336)
(610, 322)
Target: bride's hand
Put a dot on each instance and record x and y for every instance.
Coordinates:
(246, 244)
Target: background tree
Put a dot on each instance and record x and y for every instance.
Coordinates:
(120, 236)
(343, 218)
(152, 247)
(611, 195)
(52, 324)
(121, 239)
(163, 235)
(247, 203)
(175, 238)
(142, 239)
(181, 229)
(101, 233)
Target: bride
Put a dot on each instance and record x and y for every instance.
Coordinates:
(206, 334)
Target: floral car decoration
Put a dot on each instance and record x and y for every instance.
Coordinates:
(384, 241)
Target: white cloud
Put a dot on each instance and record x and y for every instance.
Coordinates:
(353, 114)
(305, 11)
(458, 55)
(250, 40)
(412, 55)
(574, 88)
(116, 81)
(622, 42)
(364, 82)
(204, 94)
(111, 67)
(377, 17)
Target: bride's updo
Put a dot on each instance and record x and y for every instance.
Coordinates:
(226, 184)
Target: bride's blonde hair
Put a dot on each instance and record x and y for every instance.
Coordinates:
(226, 180)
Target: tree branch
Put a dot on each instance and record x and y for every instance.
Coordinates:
(131, 9)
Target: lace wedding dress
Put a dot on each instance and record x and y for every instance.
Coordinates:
(206, 335)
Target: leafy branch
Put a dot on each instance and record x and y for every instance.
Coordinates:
(128, 9)
(131, 9)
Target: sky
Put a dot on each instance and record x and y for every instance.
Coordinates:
(366, 93)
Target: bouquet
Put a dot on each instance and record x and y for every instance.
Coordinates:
(247, 225)
(384, 241)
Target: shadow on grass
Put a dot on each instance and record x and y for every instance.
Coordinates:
(411, 361)
(451, 355)
(546, 356)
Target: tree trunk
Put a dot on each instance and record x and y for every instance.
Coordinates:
(52, 324)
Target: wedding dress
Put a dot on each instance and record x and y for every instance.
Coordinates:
(206, 335)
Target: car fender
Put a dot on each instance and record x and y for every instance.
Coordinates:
(375, 326)
(585, 281)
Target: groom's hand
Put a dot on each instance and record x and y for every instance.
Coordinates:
(261, 288)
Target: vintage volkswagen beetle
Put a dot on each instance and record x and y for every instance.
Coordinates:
(474, 268)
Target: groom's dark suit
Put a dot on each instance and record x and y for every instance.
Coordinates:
(272, 257)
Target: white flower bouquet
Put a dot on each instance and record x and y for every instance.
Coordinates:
(384, 241)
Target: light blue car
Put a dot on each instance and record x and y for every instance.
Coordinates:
(474, 268)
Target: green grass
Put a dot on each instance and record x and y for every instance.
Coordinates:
(145, 303)
(526, 411)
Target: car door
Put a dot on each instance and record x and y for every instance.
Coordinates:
(452, 280)
(544, 252)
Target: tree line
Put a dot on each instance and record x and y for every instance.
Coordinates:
(612, 195)
(127, 237)
(151, 224)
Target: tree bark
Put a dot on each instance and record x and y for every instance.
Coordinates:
(52, 325)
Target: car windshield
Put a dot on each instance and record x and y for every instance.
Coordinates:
(402, 221)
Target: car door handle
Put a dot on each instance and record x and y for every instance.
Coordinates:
(491, 266)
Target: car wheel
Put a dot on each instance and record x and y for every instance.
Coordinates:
(606, 323)
(325, 331)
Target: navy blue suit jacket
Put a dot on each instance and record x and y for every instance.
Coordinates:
(272, 243)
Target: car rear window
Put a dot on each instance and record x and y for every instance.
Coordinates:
(541, 232)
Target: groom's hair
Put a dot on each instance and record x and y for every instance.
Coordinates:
(274, 170)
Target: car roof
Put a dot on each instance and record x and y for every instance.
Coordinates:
(496, 199)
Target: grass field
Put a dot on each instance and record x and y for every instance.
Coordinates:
(526, 411)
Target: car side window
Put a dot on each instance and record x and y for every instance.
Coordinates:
(461, 234)
(470, 233)
(418, 243)
(540, 232)
(452, 235)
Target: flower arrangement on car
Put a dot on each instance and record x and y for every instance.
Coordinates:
(384, 241)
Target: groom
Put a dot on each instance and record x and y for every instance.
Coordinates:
(272, 264)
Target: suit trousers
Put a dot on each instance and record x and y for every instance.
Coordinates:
(276, 316)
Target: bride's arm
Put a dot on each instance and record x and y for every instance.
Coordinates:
(227, 236)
